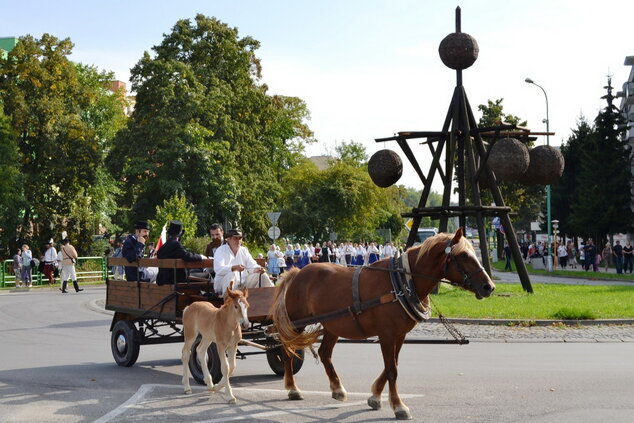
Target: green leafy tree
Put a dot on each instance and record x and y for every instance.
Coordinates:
(204, 125)
(602, 204)
(175, 208)
(565, 191)
(11, 200)
(63, 118)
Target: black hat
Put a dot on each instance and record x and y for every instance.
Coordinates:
(233, 232)
(175, 228)
(141, 224)
(65, 241)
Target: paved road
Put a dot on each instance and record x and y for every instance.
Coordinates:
(57, 367)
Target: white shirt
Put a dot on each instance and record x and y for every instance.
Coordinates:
(224, 259)
(388, 251)
(562, 251)
(50, 256)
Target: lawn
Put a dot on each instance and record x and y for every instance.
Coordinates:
(499, 265)
(549, 301)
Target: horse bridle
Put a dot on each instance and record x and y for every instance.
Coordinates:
(466, 276)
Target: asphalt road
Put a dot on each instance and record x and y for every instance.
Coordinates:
(56, 367)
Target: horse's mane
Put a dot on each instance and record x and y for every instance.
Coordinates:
(443, 239)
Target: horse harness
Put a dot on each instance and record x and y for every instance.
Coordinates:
(403, 291)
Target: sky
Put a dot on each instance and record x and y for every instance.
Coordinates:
(368, 69)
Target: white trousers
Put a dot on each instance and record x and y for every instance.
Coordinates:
(252, 280)
(68, 272)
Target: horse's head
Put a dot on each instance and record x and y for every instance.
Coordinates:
(237, 300)
(459, 263)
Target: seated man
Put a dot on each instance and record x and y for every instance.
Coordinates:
(132, 250)
(233, 262)
(173, 249)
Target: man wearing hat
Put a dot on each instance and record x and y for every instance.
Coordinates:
(132, 250)
(50, 262)
(69, 258)
(174, 250)
(233, 262)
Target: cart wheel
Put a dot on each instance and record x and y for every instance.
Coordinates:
(124, 346)
(213, 363)
(275, 358)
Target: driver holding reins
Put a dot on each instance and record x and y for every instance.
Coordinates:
(233, 262)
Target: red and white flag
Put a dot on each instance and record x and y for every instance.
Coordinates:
(161, 239)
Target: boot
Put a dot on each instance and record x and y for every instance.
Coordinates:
(63, 288)
(77, 288)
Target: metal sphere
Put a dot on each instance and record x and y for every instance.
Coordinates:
(509, 159)
(385, 168)
(458, 50)
(546, 166)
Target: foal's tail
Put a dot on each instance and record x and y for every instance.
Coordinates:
(291, 338)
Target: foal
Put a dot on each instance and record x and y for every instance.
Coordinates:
(219, 325)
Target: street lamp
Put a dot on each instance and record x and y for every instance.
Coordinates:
(547, 121)
(555, 223)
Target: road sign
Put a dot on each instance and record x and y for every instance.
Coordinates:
(274, 217)
(274, 232)
(409, 224)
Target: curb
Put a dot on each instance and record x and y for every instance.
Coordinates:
(528, 323)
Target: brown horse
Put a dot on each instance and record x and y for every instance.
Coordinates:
(219, 325)
(322, 288)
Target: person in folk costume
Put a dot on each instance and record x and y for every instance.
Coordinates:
(372, 253)
(50, 262)
(316, 253)
(234, 263)
(324, 256)
(69, 258)
(332, 252)
(304, 259)
(281, 260)
(341, 258)
(271, 261)
(360, 254)
(297, 252)
(173, 249)
(288, 256)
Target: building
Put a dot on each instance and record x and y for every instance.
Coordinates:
(130, 99)
(627, 108)
(6, 45)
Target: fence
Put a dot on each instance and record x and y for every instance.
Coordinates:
(88, 269)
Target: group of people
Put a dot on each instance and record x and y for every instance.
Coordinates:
(232, 261)
(52, 263)
(588, 256)
(346, 254)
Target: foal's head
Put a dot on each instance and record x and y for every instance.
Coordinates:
(238, 304)
(456, 255)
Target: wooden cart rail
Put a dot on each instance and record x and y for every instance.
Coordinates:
(167, 302)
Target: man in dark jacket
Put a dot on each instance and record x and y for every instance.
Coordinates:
(174, 250)
(132, 250)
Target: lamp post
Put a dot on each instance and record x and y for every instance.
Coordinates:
(555, 223)
(547, 121)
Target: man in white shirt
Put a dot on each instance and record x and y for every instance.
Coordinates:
(50, 262)
(388, 250)
(233, 262)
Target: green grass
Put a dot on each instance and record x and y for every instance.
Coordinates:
(549, 301)
(499, 265)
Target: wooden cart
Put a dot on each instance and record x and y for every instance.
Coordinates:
(146, 313)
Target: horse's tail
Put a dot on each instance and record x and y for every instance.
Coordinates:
(291, 338)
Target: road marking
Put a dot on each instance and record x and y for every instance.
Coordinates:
(144, 395)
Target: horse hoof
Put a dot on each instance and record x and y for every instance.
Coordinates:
(374, 403)
(340, 395)
(295, 395)
(231, 401)
(403, 415)
(188, 391)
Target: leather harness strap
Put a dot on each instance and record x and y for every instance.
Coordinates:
(357, 308)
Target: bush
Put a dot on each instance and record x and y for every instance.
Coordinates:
(573, 314)
(196, 244)
(97, 248)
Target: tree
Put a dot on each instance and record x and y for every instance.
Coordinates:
(352, 153)
(63, 118)
(602, 204)
(524, 200)
(565, 191)
(205, 126)
(175, 208)
(11, 200)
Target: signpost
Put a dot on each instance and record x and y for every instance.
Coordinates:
(274, 232)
